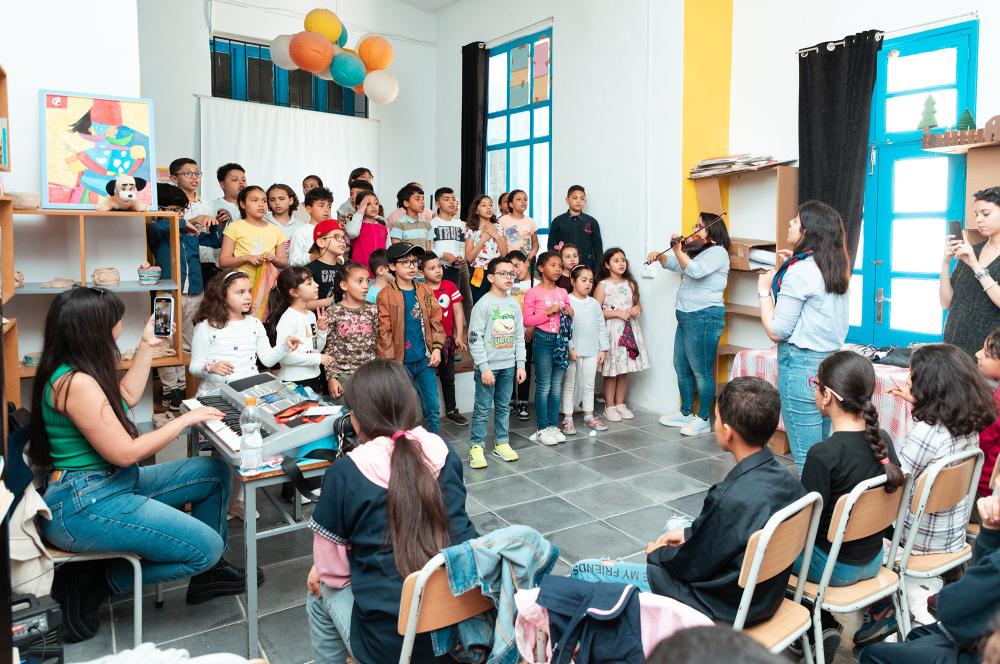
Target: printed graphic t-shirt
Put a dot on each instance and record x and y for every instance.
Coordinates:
(447, 294)
(415, 348)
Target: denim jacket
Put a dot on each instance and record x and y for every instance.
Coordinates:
(158, 235)
(499, 564)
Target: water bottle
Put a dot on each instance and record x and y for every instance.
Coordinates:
(251, 441)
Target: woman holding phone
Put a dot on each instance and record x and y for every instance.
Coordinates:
(970, 293)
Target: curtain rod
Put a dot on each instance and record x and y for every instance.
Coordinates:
(803, 52)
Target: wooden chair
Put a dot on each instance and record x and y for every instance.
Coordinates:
(770, 551)
(941, 487)
(866, 510)
(427, 604)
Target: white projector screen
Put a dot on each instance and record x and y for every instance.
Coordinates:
(276, 144)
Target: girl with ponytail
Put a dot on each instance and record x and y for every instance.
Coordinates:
(387, 507)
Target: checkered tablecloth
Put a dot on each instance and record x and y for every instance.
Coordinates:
(894, 414)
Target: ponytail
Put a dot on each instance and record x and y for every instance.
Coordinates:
(278, 300)
(876, 441)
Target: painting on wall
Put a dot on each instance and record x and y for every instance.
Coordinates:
(89, 140)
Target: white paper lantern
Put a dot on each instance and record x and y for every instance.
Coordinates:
(279, 52)
(381, 86)
(325, 75)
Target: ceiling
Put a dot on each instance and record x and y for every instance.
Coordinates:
(429, 5)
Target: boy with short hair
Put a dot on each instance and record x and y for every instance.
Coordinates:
(184, 173)
(318, 203)
(378, 264)
(449, 243)
(453, 321)
(232, 178)
(522, 282)
(347, 209)
(410, 329)
(579, 228)
(329, 246)
(412, 227)
(569, 254)
(496, 341)
(309, 183)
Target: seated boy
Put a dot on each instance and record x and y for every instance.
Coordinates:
(700, 565)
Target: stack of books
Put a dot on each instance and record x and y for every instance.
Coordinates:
(735, 163)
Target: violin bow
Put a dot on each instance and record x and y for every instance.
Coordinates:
(682, 240)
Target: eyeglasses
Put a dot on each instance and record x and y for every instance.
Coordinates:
(173, 208)
(407, 262)
(506, 274)
(815, 384)
(190, 174)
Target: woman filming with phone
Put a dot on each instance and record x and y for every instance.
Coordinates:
(970, 293)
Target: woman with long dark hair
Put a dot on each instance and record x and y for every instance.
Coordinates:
(387, 507)
(804, 307)
(701, 318)
(101, 498)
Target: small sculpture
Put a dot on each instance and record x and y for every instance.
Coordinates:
(123, 194)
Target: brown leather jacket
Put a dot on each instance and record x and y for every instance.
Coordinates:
(392, 320)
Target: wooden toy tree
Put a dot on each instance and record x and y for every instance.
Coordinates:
(928, 119)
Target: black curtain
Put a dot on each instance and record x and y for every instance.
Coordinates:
(835, 101)
(474, 75)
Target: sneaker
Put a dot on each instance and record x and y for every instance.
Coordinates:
(476, 457)
(522, 411)
(677, 420)
(504, 452)
(595, 423)
(171, 400)
(556, 434)
(457, 418)
(238, 511)
(162, 419)
(831, 641)
(879, 622)
(611, 414)
(544, 437)
(695, 427)
(567, 426)
(625, 412)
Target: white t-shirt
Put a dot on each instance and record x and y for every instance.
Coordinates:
(300, 244)
(304, 362)
(240, 342)
(449, 236)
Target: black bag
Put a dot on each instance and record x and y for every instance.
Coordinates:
(347, 440)
(896, 357)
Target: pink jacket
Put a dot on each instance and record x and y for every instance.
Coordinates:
(536, 301)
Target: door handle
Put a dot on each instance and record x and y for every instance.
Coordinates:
(880, 298)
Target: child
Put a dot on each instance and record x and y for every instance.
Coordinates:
(352, 337)
(318, 202)
(587, 349)
(496, 341)
(988, 359)
(618, 293)
(349, 206)
(232, 180)
(449, 243)
(228, 341)
(288, 315)
(570, 256)
(544, 307)
(400, 211)
(378, 265)
(254, 246)
(577, 227)
(282, 203)
(366, 228)
(503, 203)
(524, 281)
(309, 183)
(484, 241)
(520, 230)
(329, 247)
(411, 226)
(409, 327)
(453, 322)
(700, 565)
(185, 174)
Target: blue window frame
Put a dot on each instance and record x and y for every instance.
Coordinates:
(519, 123)
(244, 71)
(910, 194)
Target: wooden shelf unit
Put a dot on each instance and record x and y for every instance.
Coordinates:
(11, 379)
(742, 310)
(29, 372)
(7, 247)
(5, 114)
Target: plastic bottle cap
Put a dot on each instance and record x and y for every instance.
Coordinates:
(250, 401)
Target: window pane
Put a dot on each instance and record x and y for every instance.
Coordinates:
(915, 306)
(497, 169)
(541, 121)
(906, 112)
(334, 98)
(520, 169)
(921, 70)
(917, 244)
(260, 81)
(498, 83)
(360, 105)
(300, 89)
(520, 126)
(856, 294)
(920, 185)
(222, 83)
(496, 130)
(540, 187)
(859, 258)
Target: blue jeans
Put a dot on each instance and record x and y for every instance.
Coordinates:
(330, 623)
(593, 569)
(803, 423)
(696, 344)
(548, 380)
(844, 574)
(137, 509)
(497, 396)
(425, 380)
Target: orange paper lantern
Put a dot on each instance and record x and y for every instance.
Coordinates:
(376, 52)
(359, 88)
(311, 51)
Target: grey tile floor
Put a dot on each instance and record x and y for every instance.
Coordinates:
(605, 495)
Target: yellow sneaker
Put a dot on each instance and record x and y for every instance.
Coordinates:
(505, 452)
(476, 457)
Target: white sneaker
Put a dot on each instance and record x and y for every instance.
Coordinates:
(625, 412)
(695, 427)
(559, 436)
(677, 420)
(611, 414)
(544, 437)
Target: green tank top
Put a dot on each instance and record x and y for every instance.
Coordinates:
(69, 448)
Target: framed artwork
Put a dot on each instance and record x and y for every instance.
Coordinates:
(89, 140)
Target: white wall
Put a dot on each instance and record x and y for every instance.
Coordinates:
(616, 129)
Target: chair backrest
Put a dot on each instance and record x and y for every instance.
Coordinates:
(868, 508)
(950, 486)
(435, 606)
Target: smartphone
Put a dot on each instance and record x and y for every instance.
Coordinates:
(955, 230)
(163, 315)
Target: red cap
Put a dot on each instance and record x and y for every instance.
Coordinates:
(324, 227)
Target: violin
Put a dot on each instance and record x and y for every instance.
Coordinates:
(692, 244)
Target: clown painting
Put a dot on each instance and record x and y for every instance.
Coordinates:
(88, 141)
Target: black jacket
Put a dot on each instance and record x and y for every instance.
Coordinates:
(581, 230)
(966, 608)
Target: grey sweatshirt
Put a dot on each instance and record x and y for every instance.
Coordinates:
(496, 333)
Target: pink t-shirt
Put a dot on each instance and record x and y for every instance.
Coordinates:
(518, 232)
(536, 301)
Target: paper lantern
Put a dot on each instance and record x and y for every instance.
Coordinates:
(343, 36)
(359, 89)
(280, 55)
(324, 22)
(311, 51)
(376, 52)
(381, 86)
(325, 74)
(347, 70)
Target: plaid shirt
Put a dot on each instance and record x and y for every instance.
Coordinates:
(943, 532)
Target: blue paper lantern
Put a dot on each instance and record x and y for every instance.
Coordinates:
(347, 70)
(343, 36)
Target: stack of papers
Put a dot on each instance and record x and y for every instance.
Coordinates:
(735, 163)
